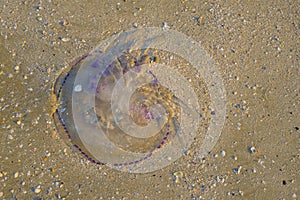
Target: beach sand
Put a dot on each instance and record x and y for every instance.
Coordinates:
(255, 46)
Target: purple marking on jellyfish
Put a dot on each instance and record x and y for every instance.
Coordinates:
(155, 81)
(92, 82)
(137, 68)
(148, 116)
(151, 115)
(102, 87)
(100, 74)
(93, 87)
(95, 64)
(108, 69)
(97, 90)
(98, 51)
(81, 58)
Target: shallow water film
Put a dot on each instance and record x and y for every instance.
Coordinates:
(149, 100)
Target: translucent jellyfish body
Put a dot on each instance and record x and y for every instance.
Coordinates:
(123, 108)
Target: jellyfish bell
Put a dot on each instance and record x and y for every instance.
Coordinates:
(121, 108)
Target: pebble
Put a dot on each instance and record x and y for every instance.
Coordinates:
(165, 26)
(234, 157)
(178, 175)
(253, 170)
(1, 194)
(17, 68)
(223, 153)
(237, 170)
(37, 189)
(10, 137)
(63, 22)
(39, 18)
(252, 150)
(65, 39)
(220, 179)
(241, 192)
(30, 89)
(16, 174)
(135, 25)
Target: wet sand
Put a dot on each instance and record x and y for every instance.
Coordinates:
(255, 45)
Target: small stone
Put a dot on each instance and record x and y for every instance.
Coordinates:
(237, 170)
(165, 26)
(39, 18)
(241, 192)
(219, 179)
(52, 170)
(65, 39)
(10, 137)
(135, 25)
(29, 89)
(16, 174)
(37, 189)
(252, 150)
(63, 22)
(17, 68)
(38, 8)
(234, 157)
(178, 175)
(223, 153)
(1, 194)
